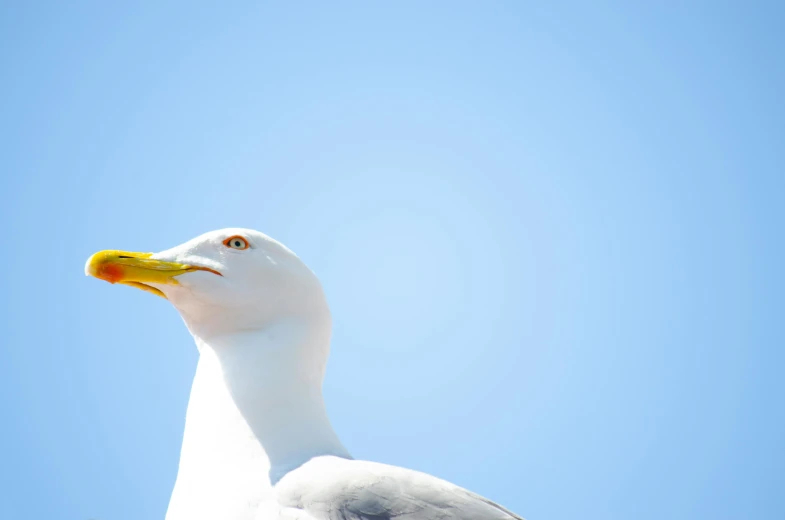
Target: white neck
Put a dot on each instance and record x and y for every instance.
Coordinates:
(256, 412)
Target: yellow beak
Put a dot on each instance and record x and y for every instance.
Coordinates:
(137, 269)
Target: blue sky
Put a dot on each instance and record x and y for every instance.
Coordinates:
(551, 237)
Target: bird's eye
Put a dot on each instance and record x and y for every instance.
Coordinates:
(236, 242)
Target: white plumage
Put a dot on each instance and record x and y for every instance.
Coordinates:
(258, 443)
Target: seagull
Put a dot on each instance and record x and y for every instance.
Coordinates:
(258, 444)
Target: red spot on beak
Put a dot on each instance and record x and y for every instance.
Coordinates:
(110, 272)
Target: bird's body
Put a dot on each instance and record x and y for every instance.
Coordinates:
(258, 444)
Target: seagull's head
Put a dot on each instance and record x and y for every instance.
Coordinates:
(226, 281)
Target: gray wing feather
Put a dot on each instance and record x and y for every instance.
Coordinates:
(370, 491)
(386, 501)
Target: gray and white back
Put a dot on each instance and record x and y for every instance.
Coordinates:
(333, 488)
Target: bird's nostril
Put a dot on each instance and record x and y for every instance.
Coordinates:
(123, 256)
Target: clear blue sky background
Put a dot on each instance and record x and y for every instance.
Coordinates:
(551, 236)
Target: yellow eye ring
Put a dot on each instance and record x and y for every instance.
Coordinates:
(236, 242)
